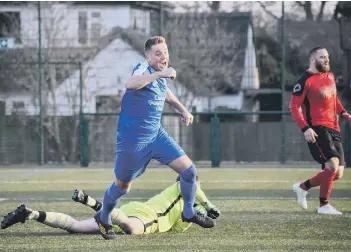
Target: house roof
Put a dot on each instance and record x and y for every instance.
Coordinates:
(207, 50)
(154, 5)
(19, 67)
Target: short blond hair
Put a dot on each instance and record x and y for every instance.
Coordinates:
(153, 41)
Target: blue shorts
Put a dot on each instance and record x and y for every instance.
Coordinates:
(132, 162)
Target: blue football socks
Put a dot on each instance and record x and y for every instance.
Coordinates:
(188, 190)
(111, 198)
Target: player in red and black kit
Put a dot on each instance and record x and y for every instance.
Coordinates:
(315, 93)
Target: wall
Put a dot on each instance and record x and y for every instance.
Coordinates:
(60, 22)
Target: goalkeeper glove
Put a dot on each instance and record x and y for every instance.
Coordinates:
(212, 211)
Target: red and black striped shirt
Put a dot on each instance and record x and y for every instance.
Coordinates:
(316, 94)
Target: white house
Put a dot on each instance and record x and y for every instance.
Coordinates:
(74, 24)
(105, 76)
(81, 25)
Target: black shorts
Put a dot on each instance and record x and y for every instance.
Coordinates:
(327, 146)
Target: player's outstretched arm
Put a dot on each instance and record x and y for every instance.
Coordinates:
(172, 100)
(339, 107)
(200, 196)
(342, 111)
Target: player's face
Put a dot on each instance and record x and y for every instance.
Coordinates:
(158, 57)
(321, 61)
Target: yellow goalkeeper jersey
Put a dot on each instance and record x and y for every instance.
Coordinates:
(169, 206)
(162, 212)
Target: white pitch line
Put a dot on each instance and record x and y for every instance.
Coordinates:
(27, 173)
(145, 198)
(233, 168)
(150, 181)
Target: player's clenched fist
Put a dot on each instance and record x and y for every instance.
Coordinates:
(310, 135)
(168, 73)
(187, 118)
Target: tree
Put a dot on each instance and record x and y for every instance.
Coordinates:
(312, 11)
(60, 81)
(205, 57)
(214, 5)
(342, 14)
(342, 9)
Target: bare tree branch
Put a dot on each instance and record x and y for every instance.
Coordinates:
(307, 7)
(267, 11)
(300, 4)
(321, 11)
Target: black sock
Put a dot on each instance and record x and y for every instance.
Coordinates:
(307, 184)
(323, 201)
(97, 207)
(42, 216)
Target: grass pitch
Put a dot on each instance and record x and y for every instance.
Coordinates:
(258, 208)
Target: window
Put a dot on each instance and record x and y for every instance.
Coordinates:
(139, 20)
(95, 29)
(95, 32)
(61, 72)
(82, 28)
(18, 108)
(95, 15)
(10, 25)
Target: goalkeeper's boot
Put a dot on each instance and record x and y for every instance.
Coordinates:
(201, 220)
(300, 195)
(20, 214)
(105, 230)
(212, 211)
(80, 196)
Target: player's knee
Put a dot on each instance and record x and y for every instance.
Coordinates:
(189, 174)
(126, 186)
(127, 229)
(74, 227)
(131, 229)
(333, 164)
(339, 173)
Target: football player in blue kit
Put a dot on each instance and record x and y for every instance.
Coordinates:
(141, 137)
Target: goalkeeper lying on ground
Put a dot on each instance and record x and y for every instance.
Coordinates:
(159, 214)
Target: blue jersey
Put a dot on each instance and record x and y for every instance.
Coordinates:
(141, 110)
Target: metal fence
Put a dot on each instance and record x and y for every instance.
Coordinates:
(214, 137)
(39, 111)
